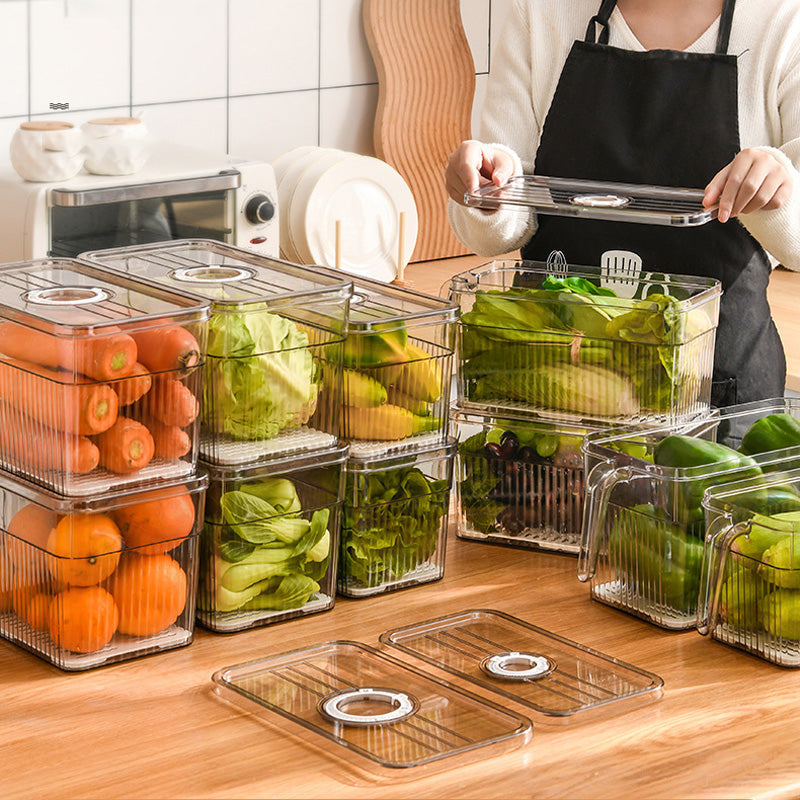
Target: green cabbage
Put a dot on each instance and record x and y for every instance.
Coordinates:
(260, 375)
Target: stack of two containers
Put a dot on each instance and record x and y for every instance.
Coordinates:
(101, 502)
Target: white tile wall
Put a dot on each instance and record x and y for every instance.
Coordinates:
(250, 77)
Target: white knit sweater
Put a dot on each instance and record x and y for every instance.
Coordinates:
(534, 45)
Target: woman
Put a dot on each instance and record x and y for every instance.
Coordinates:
(692, 93)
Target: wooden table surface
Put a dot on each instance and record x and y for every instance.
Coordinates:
(726, 726)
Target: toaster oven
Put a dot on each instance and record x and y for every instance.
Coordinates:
(180, 193)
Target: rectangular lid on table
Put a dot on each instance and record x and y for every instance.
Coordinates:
(373, 706)
(551, 675)
(623, 202)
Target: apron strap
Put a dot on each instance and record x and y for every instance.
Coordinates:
(600, 18)
(725, 23)
(607, 6)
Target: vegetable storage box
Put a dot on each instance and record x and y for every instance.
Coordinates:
(398, 358)
(269, 547)
(395, 519)
(95, 580)
(99, 377)
(750, 583)
(576, 342)
(520, 481)
(273, 359)
(644, 525)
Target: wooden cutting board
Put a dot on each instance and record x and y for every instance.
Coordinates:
(426, 79)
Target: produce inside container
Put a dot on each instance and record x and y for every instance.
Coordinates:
(99, 377)
(644, 524)
(583, 344)
(274, 351)
(750, 582)
(397, 368)
(520, 481)
(395, 520)
(382, 715)
(96, 580)
(268, 551)
(558, 679)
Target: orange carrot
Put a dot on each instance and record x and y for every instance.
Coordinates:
(84, 408)
(171, 402)
(136, 385)
(28, 444)
(170, 440)
(165, 349)
(127, 446)
(103, 356)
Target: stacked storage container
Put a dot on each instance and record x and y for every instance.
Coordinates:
(548, 354)
(101, 503)
(397, 378)
(269, 428)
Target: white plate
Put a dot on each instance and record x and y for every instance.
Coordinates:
(286, 189)
(285, 160)
(367, 195)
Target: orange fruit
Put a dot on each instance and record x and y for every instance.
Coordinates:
(83, 619)
(87, 547)
(159, 523)
(150, 592)
(30, 529)
(34, 608)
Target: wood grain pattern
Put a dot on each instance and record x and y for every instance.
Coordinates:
(426, 80)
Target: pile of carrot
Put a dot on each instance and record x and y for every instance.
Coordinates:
(114, 399)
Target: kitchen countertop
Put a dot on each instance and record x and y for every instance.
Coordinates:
(726, 726)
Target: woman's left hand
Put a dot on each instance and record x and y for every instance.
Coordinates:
(754, 180)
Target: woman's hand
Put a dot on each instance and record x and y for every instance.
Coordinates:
(474, 164)
(754, 180)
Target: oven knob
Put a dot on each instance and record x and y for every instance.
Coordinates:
(259, 209)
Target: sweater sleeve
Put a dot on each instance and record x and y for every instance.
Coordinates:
(508, 117)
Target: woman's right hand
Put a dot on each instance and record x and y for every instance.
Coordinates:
(474, 164)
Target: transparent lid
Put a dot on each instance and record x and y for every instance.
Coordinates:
(104, 498)
(65, 297)
(228, 276)
(278, 465)
(689, 291)
(623, 202)
(733, 498)
(531, 421)
(553, 676)
(379, 303)
(384, 712)
(433, 449)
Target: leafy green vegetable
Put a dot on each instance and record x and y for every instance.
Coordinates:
(270, 556)
(392, 523)
(260, 375)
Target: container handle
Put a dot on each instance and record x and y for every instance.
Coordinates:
(600, 481)
(720, 535)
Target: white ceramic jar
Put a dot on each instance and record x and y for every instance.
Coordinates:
(115, 145)
(46, 150)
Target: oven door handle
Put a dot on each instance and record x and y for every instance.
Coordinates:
(73, 198)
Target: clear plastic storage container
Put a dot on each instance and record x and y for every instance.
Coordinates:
(395, 519)
(585, 344)
(274, 353)
(644, 524)
(269, 548)
(99, 377)
(520, 481)
(373, 711)
(750, 583)
(95, 580)
(398, 361)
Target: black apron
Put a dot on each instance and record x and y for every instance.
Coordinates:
(663, 118)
